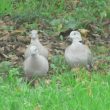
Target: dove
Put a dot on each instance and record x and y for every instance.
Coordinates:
(77, 53)
(36, 64)
(35, 41)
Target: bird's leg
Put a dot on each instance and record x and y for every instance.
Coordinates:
(29, 79)
(89, 68)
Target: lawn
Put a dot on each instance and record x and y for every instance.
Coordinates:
(63, 88)
(63, 91)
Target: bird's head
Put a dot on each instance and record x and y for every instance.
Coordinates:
(34, 34)
(75, 36)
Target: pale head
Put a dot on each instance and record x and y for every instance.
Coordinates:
(34, 34)
(33, 50)
(75, 36)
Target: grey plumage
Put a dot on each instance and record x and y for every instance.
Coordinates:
(35, 64)
(77, 53)
(35, 41)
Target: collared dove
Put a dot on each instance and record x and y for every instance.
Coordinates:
(77, 53)
(35, 64)
(35, 41)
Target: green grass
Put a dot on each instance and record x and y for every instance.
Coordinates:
(6, 7)
(63, 93)
(67, 14)
(64, 90)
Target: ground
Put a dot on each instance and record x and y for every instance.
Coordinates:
(62, 89)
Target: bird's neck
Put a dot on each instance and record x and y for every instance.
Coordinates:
(76, 42)
(34, 40)
(35, 56)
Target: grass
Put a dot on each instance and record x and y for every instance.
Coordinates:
(64, 92)
(5, 7)
(63, 89)
(67, 14)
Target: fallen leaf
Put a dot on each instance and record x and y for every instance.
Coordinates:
(84, 32)
(47, 81)
(37, 108)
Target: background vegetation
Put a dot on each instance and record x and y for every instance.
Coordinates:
(64, 14)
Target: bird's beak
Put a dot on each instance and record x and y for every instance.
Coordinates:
(82, 42)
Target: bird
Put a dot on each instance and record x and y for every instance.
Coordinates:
(78, 54)
(35, 65)
(35, 41)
